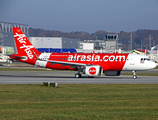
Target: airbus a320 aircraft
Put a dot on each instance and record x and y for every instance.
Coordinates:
(91, 64)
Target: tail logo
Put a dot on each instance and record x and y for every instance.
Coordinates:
(27, 48)
(20, 38)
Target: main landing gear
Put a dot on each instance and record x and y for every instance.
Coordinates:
(134, 75)
(78, 75)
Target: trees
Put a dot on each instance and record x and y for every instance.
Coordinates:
(124, 37)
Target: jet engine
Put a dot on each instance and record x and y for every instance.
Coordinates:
(112, 73)
(94, 70)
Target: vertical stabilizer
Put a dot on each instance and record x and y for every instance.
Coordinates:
(23, 45)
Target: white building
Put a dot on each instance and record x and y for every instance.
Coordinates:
(88, 46)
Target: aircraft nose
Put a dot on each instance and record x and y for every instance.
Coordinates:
(153, 65)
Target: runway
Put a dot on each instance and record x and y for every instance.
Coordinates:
(67, 77)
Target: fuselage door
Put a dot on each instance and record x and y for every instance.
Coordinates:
(132, 59)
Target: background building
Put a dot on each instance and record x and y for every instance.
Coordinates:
(97, 44)
(6, 33)
(88, 46)
(55, 44)
(111, 41)
(7, 43)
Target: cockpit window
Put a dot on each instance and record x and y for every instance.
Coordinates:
(147, 59)
(143, 59)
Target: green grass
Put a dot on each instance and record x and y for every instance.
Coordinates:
(156, 67)
(79, 102)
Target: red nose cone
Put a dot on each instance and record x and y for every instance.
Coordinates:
(92, 70)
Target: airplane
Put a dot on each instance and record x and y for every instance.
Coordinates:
(90, 64)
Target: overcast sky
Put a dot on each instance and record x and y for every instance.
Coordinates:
(82, 15)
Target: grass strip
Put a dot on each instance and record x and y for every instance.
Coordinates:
(79, 102)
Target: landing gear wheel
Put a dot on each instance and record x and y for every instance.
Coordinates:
(134, 77)
(78, 75)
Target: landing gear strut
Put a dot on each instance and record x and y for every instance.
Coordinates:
(78, 75)
(134, 75)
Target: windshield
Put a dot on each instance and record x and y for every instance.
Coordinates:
(143, 59)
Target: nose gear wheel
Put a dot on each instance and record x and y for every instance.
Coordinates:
(134, 75)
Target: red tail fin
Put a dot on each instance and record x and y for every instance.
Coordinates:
(23, 45)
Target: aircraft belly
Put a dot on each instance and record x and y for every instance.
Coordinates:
(60, 67)
(116, 65)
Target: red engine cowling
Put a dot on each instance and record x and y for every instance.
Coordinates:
(94, 70)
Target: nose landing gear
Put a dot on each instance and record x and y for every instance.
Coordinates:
(134, 75)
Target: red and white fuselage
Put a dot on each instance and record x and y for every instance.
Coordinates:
(92, 64)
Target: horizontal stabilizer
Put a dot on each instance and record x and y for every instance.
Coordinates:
(19, 57)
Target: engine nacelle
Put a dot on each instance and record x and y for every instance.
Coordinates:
(94, 70)
(112, 73)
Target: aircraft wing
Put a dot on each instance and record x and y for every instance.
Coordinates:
(72, 64)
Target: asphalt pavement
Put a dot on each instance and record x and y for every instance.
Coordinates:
(68, 77)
